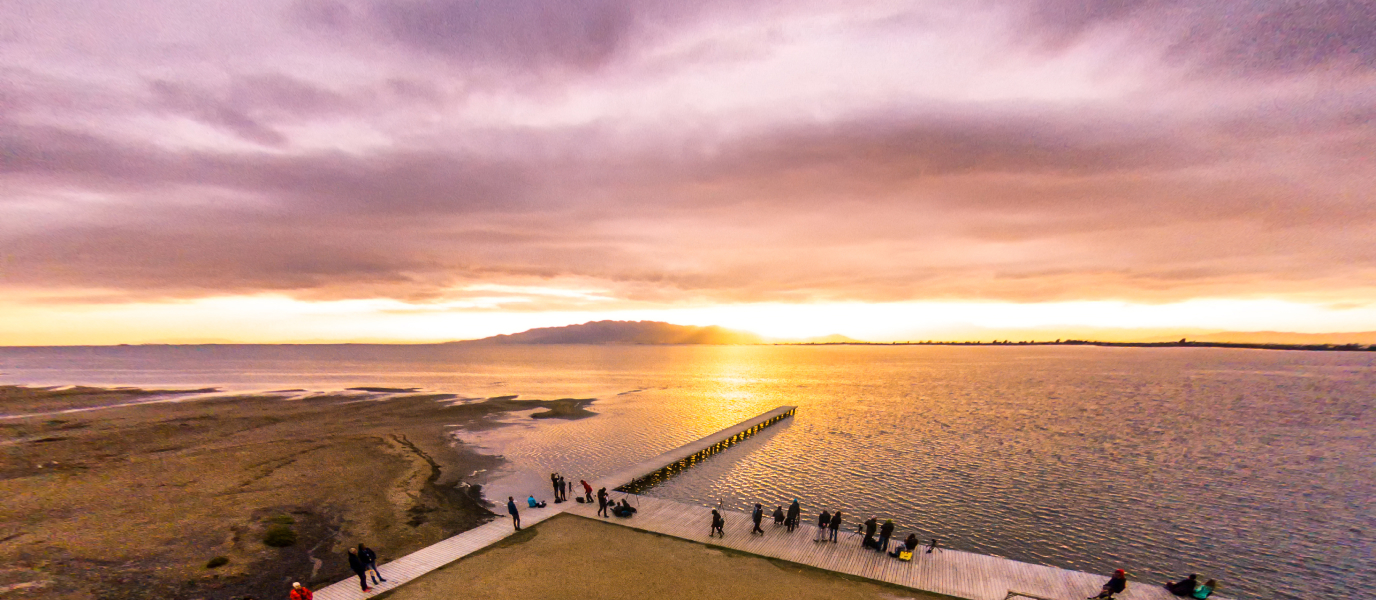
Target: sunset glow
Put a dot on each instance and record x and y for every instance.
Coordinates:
(428, 170)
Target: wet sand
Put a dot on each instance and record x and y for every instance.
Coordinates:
(131, 502)
(573, 557)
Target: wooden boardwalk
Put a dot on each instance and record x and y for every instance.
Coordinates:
(432, 557)
(681, 453)
(949, 572)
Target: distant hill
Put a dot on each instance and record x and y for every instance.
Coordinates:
(625, 332)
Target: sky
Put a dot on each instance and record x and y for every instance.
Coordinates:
(423, 170)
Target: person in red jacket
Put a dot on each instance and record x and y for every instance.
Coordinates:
(300, 592)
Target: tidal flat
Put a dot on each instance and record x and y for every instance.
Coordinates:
(134, 500)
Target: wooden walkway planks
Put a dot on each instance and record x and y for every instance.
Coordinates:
(645, 467)
(449, 550)
(950, 572)
(436, 555)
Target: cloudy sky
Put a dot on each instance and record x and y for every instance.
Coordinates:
(315, 170)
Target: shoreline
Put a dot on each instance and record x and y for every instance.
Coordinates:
(131, 500)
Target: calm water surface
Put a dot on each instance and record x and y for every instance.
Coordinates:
(1256, 468)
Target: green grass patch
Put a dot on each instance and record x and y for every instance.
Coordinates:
(279, 536)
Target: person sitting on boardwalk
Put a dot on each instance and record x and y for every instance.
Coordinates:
(909, 546)
(1184, 587)
(795, 513)
(823, 522)
(1115, 585)
(515, 516)
(778, 516)
(370, 562)
(835, 525)
(300, 592)
(757, 517)
(356, 565)
(1203, 591)
(870, 527)
(587, 491)
(533, 503)
(885, 533)
(602, 502)
(717, 524)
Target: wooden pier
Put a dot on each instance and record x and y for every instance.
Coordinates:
(949, 572)
(434, 556)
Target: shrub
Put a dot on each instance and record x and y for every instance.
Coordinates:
(218, 561)
(279, 536)
(282, 520)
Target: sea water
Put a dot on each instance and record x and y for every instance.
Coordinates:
(1252, 467)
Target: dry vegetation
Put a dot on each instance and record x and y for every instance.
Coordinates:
(135, 501)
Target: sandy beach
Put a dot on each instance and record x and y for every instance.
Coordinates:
(132, 502)
(573, 557)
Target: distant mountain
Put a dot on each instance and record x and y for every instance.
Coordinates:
(625, 332)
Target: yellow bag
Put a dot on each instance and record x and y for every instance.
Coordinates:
(905, 555)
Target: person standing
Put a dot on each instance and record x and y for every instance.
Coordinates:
(587, 490)
(870, 527)
(602, 502)
(823, 522)
(757, 517)
(835, 525)
(370, 562)
(717, 524)
(1115, 585)
(515, 516)
(300, 592)
(356, 565)
(558, 487)
(795, 512)
(885, 533)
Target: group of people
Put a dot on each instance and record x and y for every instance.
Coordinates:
(362, 561)
(828, 527)
(1188, 587)
(562, 487)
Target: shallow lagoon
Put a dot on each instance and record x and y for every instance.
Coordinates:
(1253, 467)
